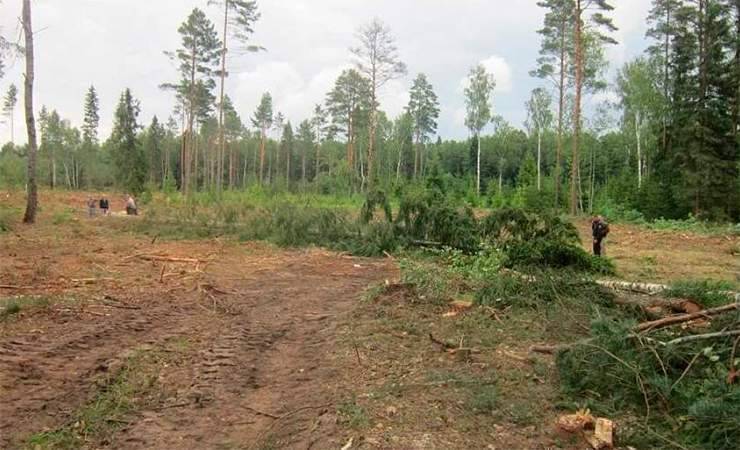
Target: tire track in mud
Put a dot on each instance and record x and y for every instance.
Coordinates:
(258, 354)
(266, 363)
(45, 376)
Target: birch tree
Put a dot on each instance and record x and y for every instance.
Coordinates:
(9, 102)
(479, 111)
(539, 120)
(640, 100)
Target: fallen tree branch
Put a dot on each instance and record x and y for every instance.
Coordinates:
(444, 345)
(699, 337)
(673, 320)
(164, 258)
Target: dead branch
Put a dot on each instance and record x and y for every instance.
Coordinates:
(444, 345)
(164, 258)
(700, 337)
(673, 320)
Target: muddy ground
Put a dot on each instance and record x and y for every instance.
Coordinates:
(126, 342)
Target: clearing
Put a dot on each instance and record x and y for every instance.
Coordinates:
(110, 339)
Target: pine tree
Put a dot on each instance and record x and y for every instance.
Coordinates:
(555, 63)
(348, 104)
(376, 58)
(424, 110)
(154, 143)
(239, 19)
(662, 19)
(286, 146)
(9, 102)
(262, 120)
(32, 195)
(197, 61)
(306, 142)
(127, 154)
(478, 106)
(597, 19)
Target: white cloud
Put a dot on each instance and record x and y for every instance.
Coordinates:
(115, 44)
(501, 70)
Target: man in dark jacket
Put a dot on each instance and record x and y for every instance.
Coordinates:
(599, 230)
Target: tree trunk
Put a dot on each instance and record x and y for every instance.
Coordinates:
(416, 156)
(32, 196)
(303, 166)
(638, 125)
(539, 160)
(287, 166)
(477, 165)
(561, 113)
(221, 133)
(373, 130)
(667, 51)
(12, 126)
(575, 169)
(262, 156)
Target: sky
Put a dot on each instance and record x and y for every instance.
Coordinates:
(114, 44)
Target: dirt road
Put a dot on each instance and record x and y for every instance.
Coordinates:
(256, 326)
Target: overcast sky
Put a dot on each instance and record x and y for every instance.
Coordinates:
(114, 44)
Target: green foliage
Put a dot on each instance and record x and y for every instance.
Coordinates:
(8, 217)
(680, 389)
(539, 240)
(541, 287)
(484, 399)
(427, 216)
(708, 293)
(376, 199)
(353, 415)
(62, 217)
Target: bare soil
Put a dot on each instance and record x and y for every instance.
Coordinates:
(259, 325)
(272, 348)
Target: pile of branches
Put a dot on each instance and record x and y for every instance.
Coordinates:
(680, 373)
(426, 217)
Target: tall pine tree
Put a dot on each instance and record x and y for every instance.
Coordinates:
(424, 110)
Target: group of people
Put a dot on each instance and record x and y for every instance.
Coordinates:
(104, 205)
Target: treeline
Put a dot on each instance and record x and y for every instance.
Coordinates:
(667, 148)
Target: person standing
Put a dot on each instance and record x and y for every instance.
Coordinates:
(599, 231)
(91, 205)
(104, 206)
(131, 208)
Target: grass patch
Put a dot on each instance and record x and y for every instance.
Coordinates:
(12, 307)
(353, 415)
(133, 386)
(709, 293)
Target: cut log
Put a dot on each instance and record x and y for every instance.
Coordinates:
(700, 337)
